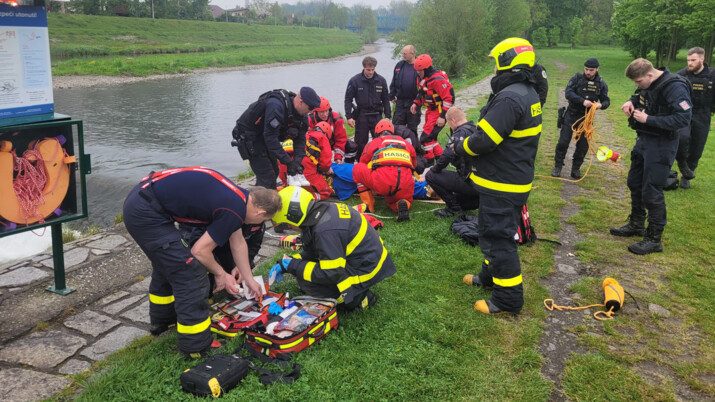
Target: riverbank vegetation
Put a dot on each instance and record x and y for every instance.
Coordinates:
(103, 45)
(642, 27)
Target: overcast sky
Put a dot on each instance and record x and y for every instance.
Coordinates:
(226, 4)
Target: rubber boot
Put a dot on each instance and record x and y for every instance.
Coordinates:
(403, 210)
(556, 172)
(650, 244)
(369, 200)
(634, 227)
(473, 280)
(487, 307)
(684, 183)
(685, 171)
(158, 329)
(576, 173)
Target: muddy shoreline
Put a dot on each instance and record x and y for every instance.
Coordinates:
(85, 81)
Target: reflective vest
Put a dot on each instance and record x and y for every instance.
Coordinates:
(393, 152)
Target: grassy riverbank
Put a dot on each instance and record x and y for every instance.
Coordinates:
(423, 341)
(97, 45)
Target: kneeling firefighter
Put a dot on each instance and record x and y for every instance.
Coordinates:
(386, 167)
(342, 257)
(505, 144)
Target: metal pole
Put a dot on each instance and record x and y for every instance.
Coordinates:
(58, 261)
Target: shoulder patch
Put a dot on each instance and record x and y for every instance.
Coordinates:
(274, 123)
(343, 211)
(535, 109)
(684, 105)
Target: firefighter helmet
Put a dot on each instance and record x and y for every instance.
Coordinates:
(384, 125)
(513, 52)
(325, 128)
(324, 105)
(423, 61)
(295, 204)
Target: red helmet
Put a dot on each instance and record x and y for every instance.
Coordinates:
(384, 125)
(423, 61)
(325, 128)
(324, 105)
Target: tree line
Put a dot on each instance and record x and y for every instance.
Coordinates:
(459, 33)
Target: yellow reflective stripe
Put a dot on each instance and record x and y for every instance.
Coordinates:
(161, 299)
(507, 283)
(193, 329)
(358, 237)
(465, 145)
(503, 187)
(486, 261)
(290, 345)
(308, 271)
(262, 340)
(491, 132)
(332, 264)
(354, 280)
(222, 333)
(527, 132)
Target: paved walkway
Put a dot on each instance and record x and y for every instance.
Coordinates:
(44, 336)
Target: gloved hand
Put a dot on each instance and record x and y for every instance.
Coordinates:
(290, 169)
(297, 167)
(275, 274)
(424, 138)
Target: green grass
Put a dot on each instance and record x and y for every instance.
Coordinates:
(97, 45)
(679, 279)
(423, 341)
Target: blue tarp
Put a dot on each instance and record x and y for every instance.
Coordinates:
(345, 187)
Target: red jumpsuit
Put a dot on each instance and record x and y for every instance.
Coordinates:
(339, 137)
(316, 163)
(437, 94)
(385, 167)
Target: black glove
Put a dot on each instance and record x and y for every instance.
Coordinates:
(293, 132)
(424, 138)
(290, 169)
(294, 167)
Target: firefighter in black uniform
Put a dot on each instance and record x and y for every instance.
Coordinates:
(693, 138)
(455, 187)
(179, 285)
(342, 257)
(371, 95)
(582, 91)
(660, 107)
(505, 146)
(275, 117)
(403, 90)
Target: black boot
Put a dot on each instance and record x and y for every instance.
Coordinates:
(685, 171)
(634, 227)
(684, 183)
(576, 173)
(556, 172)
(650, 243)
(403, 211)
(158, 329)
(447, 212)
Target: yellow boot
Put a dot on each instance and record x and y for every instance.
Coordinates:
(486, 307)
(368, 199)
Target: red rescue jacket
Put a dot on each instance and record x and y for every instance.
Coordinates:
(389, 150)
(436, 92)
(340, 136)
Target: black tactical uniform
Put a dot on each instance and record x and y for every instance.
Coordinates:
(668, 105)
(506, 142)
(693, 138)
(372, 99)
(578, 90)
(342, 257)
(261, 129)
(403, 90)
(411, 137)
(455, 187)
(541, 82)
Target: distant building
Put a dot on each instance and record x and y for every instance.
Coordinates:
(216, 11)
(237, 12)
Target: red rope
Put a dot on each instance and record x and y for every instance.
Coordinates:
(29, 183)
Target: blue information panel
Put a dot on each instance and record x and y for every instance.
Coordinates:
(25, 69)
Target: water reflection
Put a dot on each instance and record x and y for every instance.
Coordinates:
(134, 128)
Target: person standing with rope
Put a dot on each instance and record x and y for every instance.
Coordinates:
(582, 92)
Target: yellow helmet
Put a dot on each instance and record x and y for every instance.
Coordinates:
(295, 203)
(513, 52)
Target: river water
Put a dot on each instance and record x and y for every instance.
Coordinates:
(132, 129)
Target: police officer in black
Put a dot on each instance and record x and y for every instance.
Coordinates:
(403, 90)
(505, 146)
(276, 116)
(541, 82)
(454, 187)
(660, 106)
(582, 91)
(693, 138)
(370, 92)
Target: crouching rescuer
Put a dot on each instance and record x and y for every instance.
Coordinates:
(342, 257)
(179, 287)
(505, 146)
